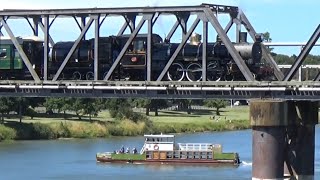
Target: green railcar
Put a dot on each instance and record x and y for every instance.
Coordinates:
(12, 65)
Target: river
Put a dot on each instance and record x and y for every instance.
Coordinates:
(75, 159)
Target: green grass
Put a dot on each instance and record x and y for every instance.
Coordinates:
(196, 116)
(201, 116)
(52, 127)
(224, 155)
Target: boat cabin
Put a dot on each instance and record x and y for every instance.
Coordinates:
(158, 142)
(164, 147)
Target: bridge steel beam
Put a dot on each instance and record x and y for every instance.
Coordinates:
(130, 21)
(182, 13)
(300, 140)
(149, 46)
(268, 120)
(96, 47)
(73, 48)
(43, 28)
(46, 48)
(265, 53)
(1, 34)
(179, 48)
(37, 22)
(303, 54)
(34, 25)
(204, 46)
(233, 52)
(125, 47)
(172, 31)
(182, 18)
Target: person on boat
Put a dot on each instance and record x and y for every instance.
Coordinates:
(134, 150)
(128, 150)
(122, 149)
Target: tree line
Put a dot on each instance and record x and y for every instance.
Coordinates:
(118, 108)
(283, 59)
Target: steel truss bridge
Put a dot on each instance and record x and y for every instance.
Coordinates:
(44, 19)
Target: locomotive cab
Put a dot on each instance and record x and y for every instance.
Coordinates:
(134, 60)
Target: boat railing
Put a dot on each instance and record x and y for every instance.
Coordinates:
(197, 146)
(142, 149)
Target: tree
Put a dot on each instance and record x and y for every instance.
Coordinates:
(184, 104)
(267, 38)
(92, 107)
(150, 105)
(142, 103)
(4, 107)
(217, 103)
(58, 104)
(119, 108)
(77, 106)
(157, 104)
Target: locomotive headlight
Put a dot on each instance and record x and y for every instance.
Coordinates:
(134, 59)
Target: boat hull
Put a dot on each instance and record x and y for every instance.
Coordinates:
(168, 161)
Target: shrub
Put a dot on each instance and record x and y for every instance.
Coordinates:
(7, 133)
(43, 131)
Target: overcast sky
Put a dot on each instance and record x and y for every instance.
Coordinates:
(287, 21)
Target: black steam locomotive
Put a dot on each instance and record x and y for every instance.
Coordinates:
(187, 66)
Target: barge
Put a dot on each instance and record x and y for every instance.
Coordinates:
(162, 149)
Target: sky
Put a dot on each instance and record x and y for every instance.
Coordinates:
(285, 20)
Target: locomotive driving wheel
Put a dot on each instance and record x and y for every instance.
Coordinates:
(176, 72)
(214, 72)
(89, 75)
(76, 75)
(194, 72)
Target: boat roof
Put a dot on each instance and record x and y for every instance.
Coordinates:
(159, 135)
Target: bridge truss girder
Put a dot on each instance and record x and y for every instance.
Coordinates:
(164, 90)
(206, 13)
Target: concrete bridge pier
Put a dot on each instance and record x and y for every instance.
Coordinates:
(300, 140)
(269, 119)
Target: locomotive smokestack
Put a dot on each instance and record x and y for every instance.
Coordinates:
(243, 37)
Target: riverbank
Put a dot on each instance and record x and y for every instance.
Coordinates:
(200, 120)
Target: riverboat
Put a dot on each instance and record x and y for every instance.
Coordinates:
(162, 149)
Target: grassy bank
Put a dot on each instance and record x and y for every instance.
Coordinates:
(104, 126)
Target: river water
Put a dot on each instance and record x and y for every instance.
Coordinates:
(75, 159)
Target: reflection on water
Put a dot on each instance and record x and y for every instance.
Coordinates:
(167, 167)
(75, 159)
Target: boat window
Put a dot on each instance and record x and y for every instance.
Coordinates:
(3, 53)
(196, 155)
(183, 155)
(190, 155)
(176, 154)
(203, 155)
(148, 155)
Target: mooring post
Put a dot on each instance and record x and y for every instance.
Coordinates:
(268, 120)
(300, 150)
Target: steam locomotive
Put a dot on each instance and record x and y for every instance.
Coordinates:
(186, 67)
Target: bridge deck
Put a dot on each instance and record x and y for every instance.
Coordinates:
(293, 90)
